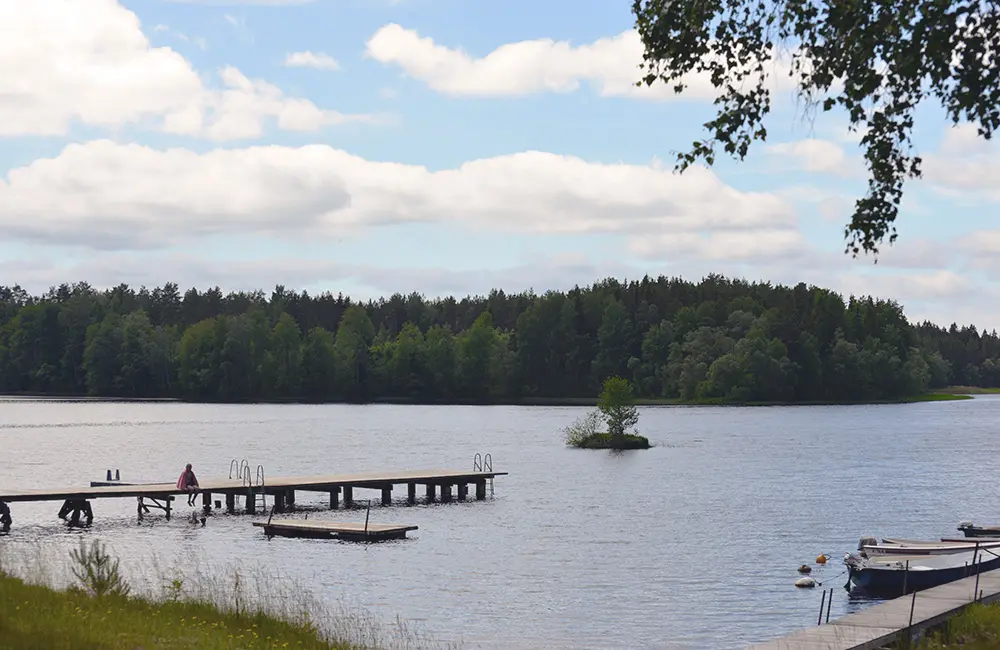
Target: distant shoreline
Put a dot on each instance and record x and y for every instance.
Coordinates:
(939, 395)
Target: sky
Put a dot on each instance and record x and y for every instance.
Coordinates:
(441, 146)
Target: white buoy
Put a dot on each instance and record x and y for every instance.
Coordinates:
(805, 583)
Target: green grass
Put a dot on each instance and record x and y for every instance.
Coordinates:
(941, 397)
(966, 390)
(34, 616)
(977, 628)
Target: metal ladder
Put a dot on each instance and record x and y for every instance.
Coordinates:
(253, 487)
(482, 463)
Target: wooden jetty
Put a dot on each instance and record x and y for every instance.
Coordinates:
(348, 531)
(281, 489)
(879, 625)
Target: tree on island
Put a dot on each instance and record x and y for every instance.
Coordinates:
(878, 61)
(616, 410)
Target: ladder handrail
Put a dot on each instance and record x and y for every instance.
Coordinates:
(260, 475)
(233, 463)
(488, 462)
(477, 462)
(244, 465)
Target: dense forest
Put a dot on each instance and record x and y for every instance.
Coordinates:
(716, 339)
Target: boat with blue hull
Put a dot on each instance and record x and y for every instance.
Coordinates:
(893, 576)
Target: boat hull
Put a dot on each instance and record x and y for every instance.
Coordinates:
(980, 531)
(889, 582)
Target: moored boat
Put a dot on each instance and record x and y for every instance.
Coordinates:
(892, 546)
(893, 575)
(970, 530)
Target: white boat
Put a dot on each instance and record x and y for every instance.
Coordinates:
(896, 546)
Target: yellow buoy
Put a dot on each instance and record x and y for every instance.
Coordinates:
(821, 559)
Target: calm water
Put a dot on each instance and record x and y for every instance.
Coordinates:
(693, 544)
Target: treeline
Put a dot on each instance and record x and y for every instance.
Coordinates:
(715, 339)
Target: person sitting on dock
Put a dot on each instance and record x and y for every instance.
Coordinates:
(189, 483)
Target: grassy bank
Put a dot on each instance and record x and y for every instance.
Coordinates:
(977, 628)
(33, 616)
(53, 597)
(590, 401)
(967, 390)
(938, 395)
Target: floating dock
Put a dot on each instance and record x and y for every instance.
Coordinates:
(880, 625)
(282, 489)
(353, 532)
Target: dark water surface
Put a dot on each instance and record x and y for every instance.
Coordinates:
(693, 544)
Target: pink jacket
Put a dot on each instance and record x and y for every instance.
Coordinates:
(185, 479)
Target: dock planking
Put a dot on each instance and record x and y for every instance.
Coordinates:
(347, 531)
(879, 625)
(281, 488)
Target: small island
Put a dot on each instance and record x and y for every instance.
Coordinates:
(617, 412)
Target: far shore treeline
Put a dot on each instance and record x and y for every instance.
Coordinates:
(715, 340)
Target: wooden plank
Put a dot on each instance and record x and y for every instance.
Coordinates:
(320, 483)
(348, 531)
(881, 624)
(334, 526)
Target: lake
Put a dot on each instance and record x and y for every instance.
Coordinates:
(692, 544)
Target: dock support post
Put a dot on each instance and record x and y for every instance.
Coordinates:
(279, 501)
(481, 490)
(5, 518)
(206, 502)
(290, 498)
(230, 503)
(334, 498)
(251, 502)
(431, 489)
(387, 495)
(348, 496)
(463, 491)
(445, 492)
(411, 493)
(167, 504)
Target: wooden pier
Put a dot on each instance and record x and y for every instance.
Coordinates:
(347, 531)
(437, 483)
(880, 625)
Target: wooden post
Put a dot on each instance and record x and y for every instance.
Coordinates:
(206, 502)
(230, 503)
(279, 501)
(88, 512)
(481, 490)
(67, 507)
(463, 491)
(5, 518)
(445, 492)
(251, 502)
(290, 498)
(411, 493)
(167, 504)
(348, 496)
(334, 498)
(431, 492)
(387, 495)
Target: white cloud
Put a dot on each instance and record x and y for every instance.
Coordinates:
(88, 61)
(965, 166)
(120, 196)
(261, 3)
(817, 156)
(610, 64)
(737, 246)
(308, 59)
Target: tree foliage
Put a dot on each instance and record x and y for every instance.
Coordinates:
(715, 340)
(875, 60)
(617, 404)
